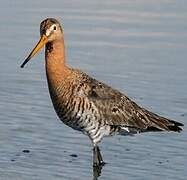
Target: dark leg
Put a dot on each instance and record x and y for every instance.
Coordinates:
(101, 162)
(97, 157)
(97, 172)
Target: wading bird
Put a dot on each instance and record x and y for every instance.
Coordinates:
(88, 105)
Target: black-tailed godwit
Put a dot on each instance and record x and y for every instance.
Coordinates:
(86, 104)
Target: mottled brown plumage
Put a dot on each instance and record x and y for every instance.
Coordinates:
(86, 104)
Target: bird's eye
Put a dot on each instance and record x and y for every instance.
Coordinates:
(54, 28)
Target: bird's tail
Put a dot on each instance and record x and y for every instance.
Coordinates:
(159, 123)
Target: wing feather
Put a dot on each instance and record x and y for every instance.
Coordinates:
(117, 109)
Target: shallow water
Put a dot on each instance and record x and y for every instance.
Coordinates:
(138, 47)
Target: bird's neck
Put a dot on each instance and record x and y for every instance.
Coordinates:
(56, 69)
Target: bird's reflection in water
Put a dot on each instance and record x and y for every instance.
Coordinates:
(97, 171)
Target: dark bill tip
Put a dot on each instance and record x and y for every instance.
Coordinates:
(25, 62)
(22, 66)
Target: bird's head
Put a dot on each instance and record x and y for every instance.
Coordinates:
(50, 30)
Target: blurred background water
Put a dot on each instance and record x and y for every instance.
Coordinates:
(138, 47)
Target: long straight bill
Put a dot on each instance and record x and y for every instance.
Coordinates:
(43, 40)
